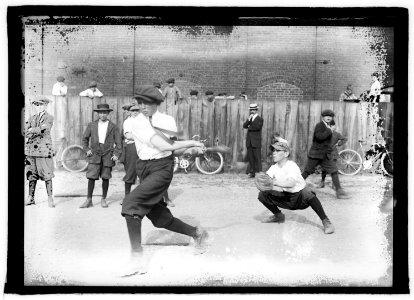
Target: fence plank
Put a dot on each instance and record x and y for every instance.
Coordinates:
(294, 120)
(302, 129)
(268, 129)
(75, 130)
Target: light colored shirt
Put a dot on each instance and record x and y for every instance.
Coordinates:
(254, 117)
(143, 132)
(102, 128)
(91, 94)
(289, 170)
(127, 128)
(59, 89)
(347, 96)
(375, 89)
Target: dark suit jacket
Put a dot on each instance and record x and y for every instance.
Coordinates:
(39, 141)
(90, 141)
(321, 143)
(254, 132)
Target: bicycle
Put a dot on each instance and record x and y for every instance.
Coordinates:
(209, 162)
(72, 158)
(350, 161)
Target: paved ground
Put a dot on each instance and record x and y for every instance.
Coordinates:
(71, 246)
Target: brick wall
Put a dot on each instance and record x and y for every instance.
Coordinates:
(310, 62)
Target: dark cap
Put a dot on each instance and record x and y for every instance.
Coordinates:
(102, 107)
(194, 92)
(281, 146)
(134, 108)
(148, 94)
(93, 84)
(41, 100)
(328, 112)
(171, 80)
(127, 106)
(209, 93)
(60, 79)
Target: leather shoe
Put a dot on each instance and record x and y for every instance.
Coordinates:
(87, 203)
(103, 203)
(276, 218)
(200, 240)
(31, 202)
(321, 185)
(327, 226)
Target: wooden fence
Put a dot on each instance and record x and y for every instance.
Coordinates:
(222, 121)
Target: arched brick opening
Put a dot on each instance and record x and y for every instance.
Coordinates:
(279, 91)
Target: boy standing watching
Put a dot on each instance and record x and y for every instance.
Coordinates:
(172, 95)
(39, 152)
(98, 142)
(282, 186)
(336, 141)
(319, 153)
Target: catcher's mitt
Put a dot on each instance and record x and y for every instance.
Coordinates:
(263, 182)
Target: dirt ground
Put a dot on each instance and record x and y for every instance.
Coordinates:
(71, 246)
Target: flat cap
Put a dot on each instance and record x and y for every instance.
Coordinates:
(281, 146)
(171, 80)
(148, 94)
(209, 93)
(60, 78)
(127, 106)
(328, 112)
(194, 92)
(41, 100)
(93, 84)
(134, 108)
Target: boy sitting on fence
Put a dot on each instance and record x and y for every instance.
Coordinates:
(337, 140)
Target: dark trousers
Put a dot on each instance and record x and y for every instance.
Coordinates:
(255, 159)
(146, 199)
(274, 200)
(130, 164)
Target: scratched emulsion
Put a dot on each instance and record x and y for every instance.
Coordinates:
(379, 43)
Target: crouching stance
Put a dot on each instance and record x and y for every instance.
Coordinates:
(155, 170)
(283, 186)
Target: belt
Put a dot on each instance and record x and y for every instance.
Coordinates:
(157, 159)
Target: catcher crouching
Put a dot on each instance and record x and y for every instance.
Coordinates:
(283, 186)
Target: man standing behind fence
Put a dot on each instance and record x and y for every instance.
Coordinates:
(254, 126)
(172, 95)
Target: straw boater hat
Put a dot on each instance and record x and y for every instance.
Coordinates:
(41, 100)
(148, 94)
(93, 84)
(253, 106)
(102, 107)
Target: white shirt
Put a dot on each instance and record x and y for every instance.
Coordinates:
(59, 89)
(143, 132)
(91, 94)
(254, 117)
(290, 169)
(127, 128)
(375, 89)
(102, 128)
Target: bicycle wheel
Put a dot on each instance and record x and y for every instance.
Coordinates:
(210, 163)
(387, 163)
(349, 162)
(74, 159)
